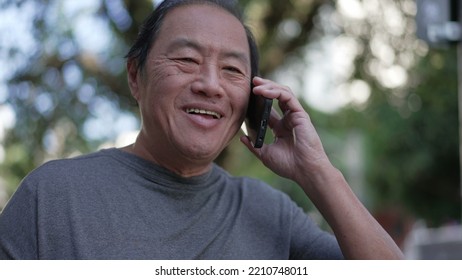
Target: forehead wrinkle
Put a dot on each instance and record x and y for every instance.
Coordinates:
(179, 43)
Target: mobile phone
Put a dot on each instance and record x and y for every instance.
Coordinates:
(256, 122)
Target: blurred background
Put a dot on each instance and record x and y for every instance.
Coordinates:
(381, 89)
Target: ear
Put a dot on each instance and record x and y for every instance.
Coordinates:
(133, 78)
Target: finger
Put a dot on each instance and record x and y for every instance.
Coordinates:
(246, 141)
(287, 100)
(274, 118)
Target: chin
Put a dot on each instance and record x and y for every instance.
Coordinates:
(203, 152)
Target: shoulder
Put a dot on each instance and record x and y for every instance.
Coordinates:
(249, 184)
(258, 194)
(78, 163)
(62, 172)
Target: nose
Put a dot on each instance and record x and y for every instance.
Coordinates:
(208, 82)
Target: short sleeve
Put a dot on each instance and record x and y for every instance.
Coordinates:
(18, 225)
(309, 241)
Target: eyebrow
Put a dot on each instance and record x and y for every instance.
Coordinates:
(184, 42)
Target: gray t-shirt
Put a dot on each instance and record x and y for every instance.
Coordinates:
(114, 205)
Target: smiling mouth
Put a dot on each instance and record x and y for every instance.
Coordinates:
(215, 115)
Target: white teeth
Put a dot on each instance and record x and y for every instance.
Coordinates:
(204, 112)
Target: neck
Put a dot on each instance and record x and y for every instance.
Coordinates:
(185, 167)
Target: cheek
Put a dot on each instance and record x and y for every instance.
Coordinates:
(163, 83)
(159, 75)
(161, 70)
(241, 100)
(239, 110)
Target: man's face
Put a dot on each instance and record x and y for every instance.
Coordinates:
(195, 86)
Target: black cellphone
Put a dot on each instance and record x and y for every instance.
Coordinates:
(256, 122)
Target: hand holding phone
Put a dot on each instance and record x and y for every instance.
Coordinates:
(256, 122)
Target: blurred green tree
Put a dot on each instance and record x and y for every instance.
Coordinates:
(413, 144)
(410, 120)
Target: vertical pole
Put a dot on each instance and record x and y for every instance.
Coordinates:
(459, 81)
(458, 7)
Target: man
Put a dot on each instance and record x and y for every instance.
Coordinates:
(162, 197)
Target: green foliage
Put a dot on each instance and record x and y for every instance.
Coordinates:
(413, 156)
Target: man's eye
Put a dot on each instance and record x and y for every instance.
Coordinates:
(233, 69)
(188, 60)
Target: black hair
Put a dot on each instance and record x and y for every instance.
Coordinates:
(150, 28)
